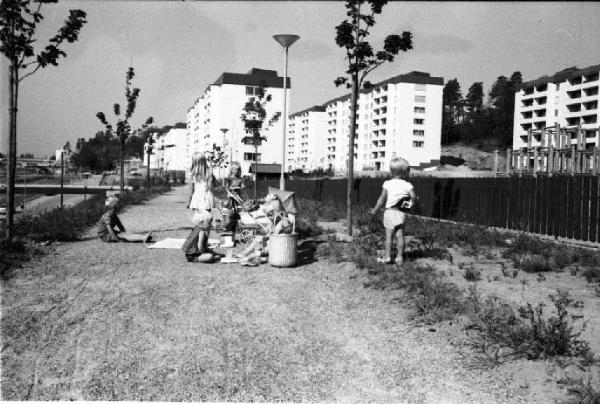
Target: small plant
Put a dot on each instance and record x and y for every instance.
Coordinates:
(529, 334)
(592, 274)
(574, 270)
(473, 275)
(540, 278)
(504, 270)
(533, 263)
(583, 388)
(514, 273)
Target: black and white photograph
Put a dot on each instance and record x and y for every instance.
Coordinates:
(349, 201)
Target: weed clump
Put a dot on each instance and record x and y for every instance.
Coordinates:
(528, 332)
(473, 275)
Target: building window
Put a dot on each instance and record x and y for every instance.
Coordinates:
(251, 90)
(420, 110)
(419, 121)
(418, 143)
(250, 157)
(419, 98)
(420, 87)
(418, 132)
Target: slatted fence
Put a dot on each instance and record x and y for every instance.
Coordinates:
(561, 205)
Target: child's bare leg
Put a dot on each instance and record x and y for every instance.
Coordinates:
(389, 239)
(400, 244)
(133, 238)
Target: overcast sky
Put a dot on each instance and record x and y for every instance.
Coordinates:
(178, 48)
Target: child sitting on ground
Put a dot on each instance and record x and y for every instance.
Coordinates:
(398, 196)
(111, 230)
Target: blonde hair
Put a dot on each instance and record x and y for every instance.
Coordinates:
(399, 167)
(200, 169)
(111, 201)
(235, 167)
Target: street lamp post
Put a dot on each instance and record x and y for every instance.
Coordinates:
(285, 40)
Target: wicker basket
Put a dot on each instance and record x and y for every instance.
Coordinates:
(283, 250)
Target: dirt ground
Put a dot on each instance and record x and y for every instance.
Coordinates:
(95, 321)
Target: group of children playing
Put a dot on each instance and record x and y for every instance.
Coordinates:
(396, 198)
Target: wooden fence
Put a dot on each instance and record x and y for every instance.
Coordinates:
(561, 205)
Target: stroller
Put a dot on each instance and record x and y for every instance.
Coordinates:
(251, 222)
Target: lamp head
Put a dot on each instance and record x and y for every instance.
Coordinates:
(286, 40)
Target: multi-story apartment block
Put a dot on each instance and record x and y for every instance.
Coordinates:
(568, 100)
(305, 145)
(215, 117)
(397, 117)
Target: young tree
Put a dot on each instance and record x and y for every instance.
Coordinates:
(216, 158)
(123, 128)
(351, 35)
(254, 116)
(18, 22)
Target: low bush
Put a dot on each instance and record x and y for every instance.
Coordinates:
(533, 263)
(527, 332)
(585, 388)
(592, 274)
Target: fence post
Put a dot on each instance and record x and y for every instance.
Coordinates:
(521, 162)
(550, 167)
(535, 161)
(509, 158)
(495, 162)
(572, 160)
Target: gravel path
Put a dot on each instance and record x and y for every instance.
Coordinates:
(121, 322)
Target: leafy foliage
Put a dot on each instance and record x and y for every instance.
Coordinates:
(254, 115)
(470, 120)
(351, 34)
(18, 22)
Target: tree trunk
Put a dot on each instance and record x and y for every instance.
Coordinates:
(351, 136)
(11, 161)
(122, 166)
(255, 167)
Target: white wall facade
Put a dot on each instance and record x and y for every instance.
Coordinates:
(305, 142)
(569, 98)
(220, 107)
(398, 117)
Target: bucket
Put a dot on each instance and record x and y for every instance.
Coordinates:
(283, 250)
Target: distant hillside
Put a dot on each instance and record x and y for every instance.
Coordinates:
(475, 158)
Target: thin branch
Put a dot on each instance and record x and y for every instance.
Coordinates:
(31, 72)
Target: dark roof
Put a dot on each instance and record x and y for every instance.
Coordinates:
(265, 168)
(560, 76)
(414, 77)
(316, 108)
(254, 77)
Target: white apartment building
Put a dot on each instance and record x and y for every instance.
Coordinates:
(215, 118)
(397, 117)
(171, 150)
(305, 145)
(569, 99)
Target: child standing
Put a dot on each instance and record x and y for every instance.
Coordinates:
(201, 202)
(397, 195)
(111, 230)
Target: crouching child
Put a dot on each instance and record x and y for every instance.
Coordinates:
(111, 230)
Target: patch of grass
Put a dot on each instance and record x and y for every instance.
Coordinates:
(471, 274)
(584, 388)
(528, 332)
(65, 224)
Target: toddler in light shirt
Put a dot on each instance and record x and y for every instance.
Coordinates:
(397, 196)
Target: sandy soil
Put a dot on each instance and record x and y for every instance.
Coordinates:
(102, 321)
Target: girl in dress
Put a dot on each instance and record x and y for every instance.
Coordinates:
(201, 202)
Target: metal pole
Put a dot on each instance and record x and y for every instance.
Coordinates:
(282, 179)
(62, 176)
